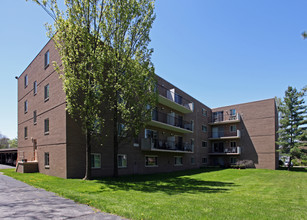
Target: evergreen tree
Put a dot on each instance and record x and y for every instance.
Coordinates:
(292, 123)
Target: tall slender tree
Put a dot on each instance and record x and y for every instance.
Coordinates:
(292, 122)
(106, 65)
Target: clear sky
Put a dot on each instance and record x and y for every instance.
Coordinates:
(221, 52)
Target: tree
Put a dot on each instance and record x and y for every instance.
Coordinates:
(106, 65)
(13, 143)
(292, 120)
(4, 141)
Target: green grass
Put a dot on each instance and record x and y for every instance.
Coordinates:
(196, 194)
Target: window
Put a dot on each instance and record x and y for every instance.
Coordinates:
(192, 145)
(204, 128)
(26, 132)
(47, 59)
(204, 144)
(136, 141)
(233, 160)
(26, 81)
(26, 106)
(46, 93)
(34, 87)
(151, 161)
(204, 112)
(46, 126)
(122, 160)
(95, 160)
(178, 161)
(233, 128)
(34, 117)
(192, 125)
(232, 112)
(192, 160)
(204, 160)
(121, 130)
(46, 159)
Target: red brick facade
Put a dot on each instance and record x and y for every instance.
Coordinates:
(181, 135)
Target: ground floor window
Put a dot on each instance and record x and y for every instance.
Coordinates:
(192, 160)
(46, 159)
(95, 160)
(233, 160)
(122, 160)
(151, 161)
(178, 161)
(204, 160)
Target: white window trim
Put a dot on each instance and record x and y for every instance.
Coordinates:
(126, 161)
(178, 165)
(151, 165)
(100, 160)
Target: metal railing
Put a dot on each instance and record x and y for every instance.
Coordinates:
(220, 134)
(171, 120)
(224, 117)
(149, 144)
(234, 150)
(171, 95)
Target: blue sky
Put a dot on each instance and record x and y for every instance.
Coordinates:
(221, 52)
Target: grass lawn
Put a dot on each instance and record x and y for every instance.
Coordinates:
(196, 194)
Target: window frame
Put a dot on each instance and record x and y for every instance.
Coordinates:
(46, 92)
(232, 112)
(176, 160)
(232, 126)
(35, 117)
(46, 59)
(26, 106)
(204, 160)
(152, 156)
(26, 81)
(124, 156)
(202, 128)
(46, 132)
(35, 87)
(47, 159)
(233, 160)
(202, 144)
(25, 132)
(93, 161)
(204, 112)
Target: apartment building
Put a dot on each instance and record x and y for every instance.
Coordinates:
(183, 133)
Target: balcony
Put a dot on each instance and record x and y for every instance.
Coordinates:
(170, 122)
(169, 98)
(226, 151)
(218, 119)
(223, 135)
(149, 144)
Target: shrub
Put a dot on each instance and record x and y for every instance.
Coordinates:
(245, 164)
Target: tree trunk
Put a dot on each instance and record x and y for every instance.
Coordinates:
(115, 143)
(88, 169)
(289, 164)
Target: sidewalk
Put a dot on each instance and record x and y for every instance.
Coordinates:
(21, 201)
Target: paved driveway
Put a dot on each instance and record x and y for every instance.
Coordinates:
(21, 201)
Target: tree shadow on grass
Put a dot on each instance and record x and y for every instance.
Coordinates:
(169, 183)
(294, 169)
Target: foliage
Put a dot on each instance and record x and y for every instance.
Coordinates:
(280, 163)
(195, 194)
(292, 123)
(4, 141)
(106, 64)
(13, 143)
